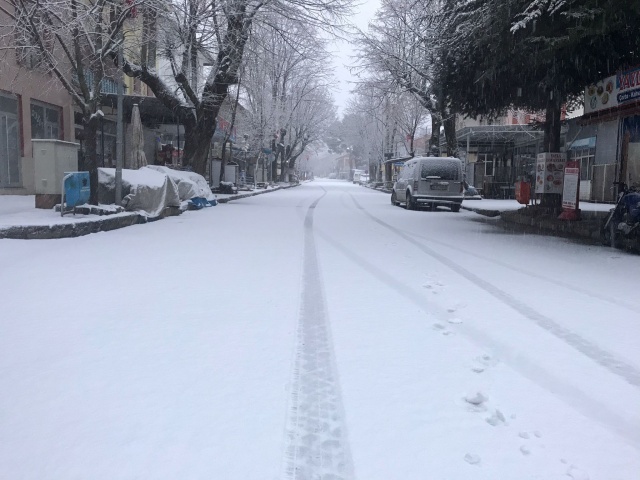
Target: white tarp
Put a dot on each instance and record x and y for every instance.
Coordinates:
(144, 190)
(190, 184)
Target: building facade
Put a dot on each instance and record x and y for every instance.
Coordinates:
(606, 138)
(32, 106)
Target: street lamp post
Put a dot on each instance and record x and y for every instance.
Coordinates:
(119, 127)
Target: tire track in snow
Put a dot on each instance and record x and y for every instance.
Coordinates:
(572, 395)
(317, 445)
(618, 302)
(604, 358)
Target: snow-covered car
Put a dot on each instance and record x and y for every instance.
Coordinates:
(429, 181)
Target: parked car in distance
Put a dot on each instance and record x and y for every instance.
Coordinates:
(360, 177)
(429, 181)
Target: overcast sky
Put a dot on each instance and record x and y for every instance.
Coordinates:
(344, 52)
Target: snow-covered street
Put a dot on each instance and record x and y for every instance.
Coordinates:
(318, 333)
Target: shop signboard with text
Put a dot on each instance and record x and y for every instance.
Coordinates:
(613, 91)
(571, 187)
(550, 172)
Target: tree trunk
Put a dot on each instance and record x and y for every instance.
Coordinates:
(274, 168)
(197, 143)
(434, 141)
(552, 126)
(293, 159)
(91, 156)
(450, 135)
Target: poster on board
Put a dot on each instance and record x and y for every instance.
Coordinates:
(550, 172)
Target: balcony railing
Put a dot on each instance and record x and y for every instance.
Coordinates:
(107, 85)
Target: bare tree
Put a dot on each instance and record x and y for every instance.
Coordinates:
(73, 40)
(197, 32)
(410, 114)
(287, 87)
(369, 127)
(403, 45)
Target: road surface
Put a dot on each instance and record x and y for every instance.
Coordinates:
(318, 333)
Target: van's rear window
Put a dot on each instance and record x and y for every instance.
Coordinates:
(446, 170)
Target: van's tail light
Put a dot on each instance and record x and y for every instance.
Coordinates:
(415, 185)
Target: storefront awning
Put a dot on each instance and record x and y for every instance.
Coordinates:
(497, 134)
(583, 143)
(152, 110)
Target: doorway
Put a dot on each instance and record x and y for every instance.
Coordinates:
(9, 143)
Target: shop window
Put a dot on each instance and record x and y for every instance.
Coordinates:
(489, 163)
(45, 121)
(106, 143)
(586, 157)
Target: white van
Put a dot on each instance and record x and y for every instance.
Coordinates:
(429, 181)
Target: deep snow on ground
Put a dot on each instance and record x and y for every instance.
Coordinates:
(10, 204)
(318, 330)
(18, 210)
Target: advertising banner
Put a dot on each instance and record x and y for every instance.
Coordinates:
(570, 189)
(613, 91)
(550, 172)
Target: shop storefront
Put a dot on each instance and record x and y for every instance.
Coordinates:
(499, 155)
(607, 137)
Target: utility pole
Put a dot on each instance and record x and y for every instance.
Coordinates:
(119, 126)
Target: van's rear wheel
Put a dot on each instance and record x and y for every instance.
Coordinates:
(455, 208)
(410, 205)
(394, 199)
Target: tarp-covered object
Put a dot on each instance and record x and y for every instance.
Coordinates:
(144, 190)
(190, 184)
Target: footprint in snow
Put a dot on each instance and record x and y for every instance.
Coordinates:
(476, 399)
(441, 328)
(472, 459)
(496, 419)
(487, 360)
(455, 321)
(476, 402)
(577, 474)
(524, 435)
(483, 361)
